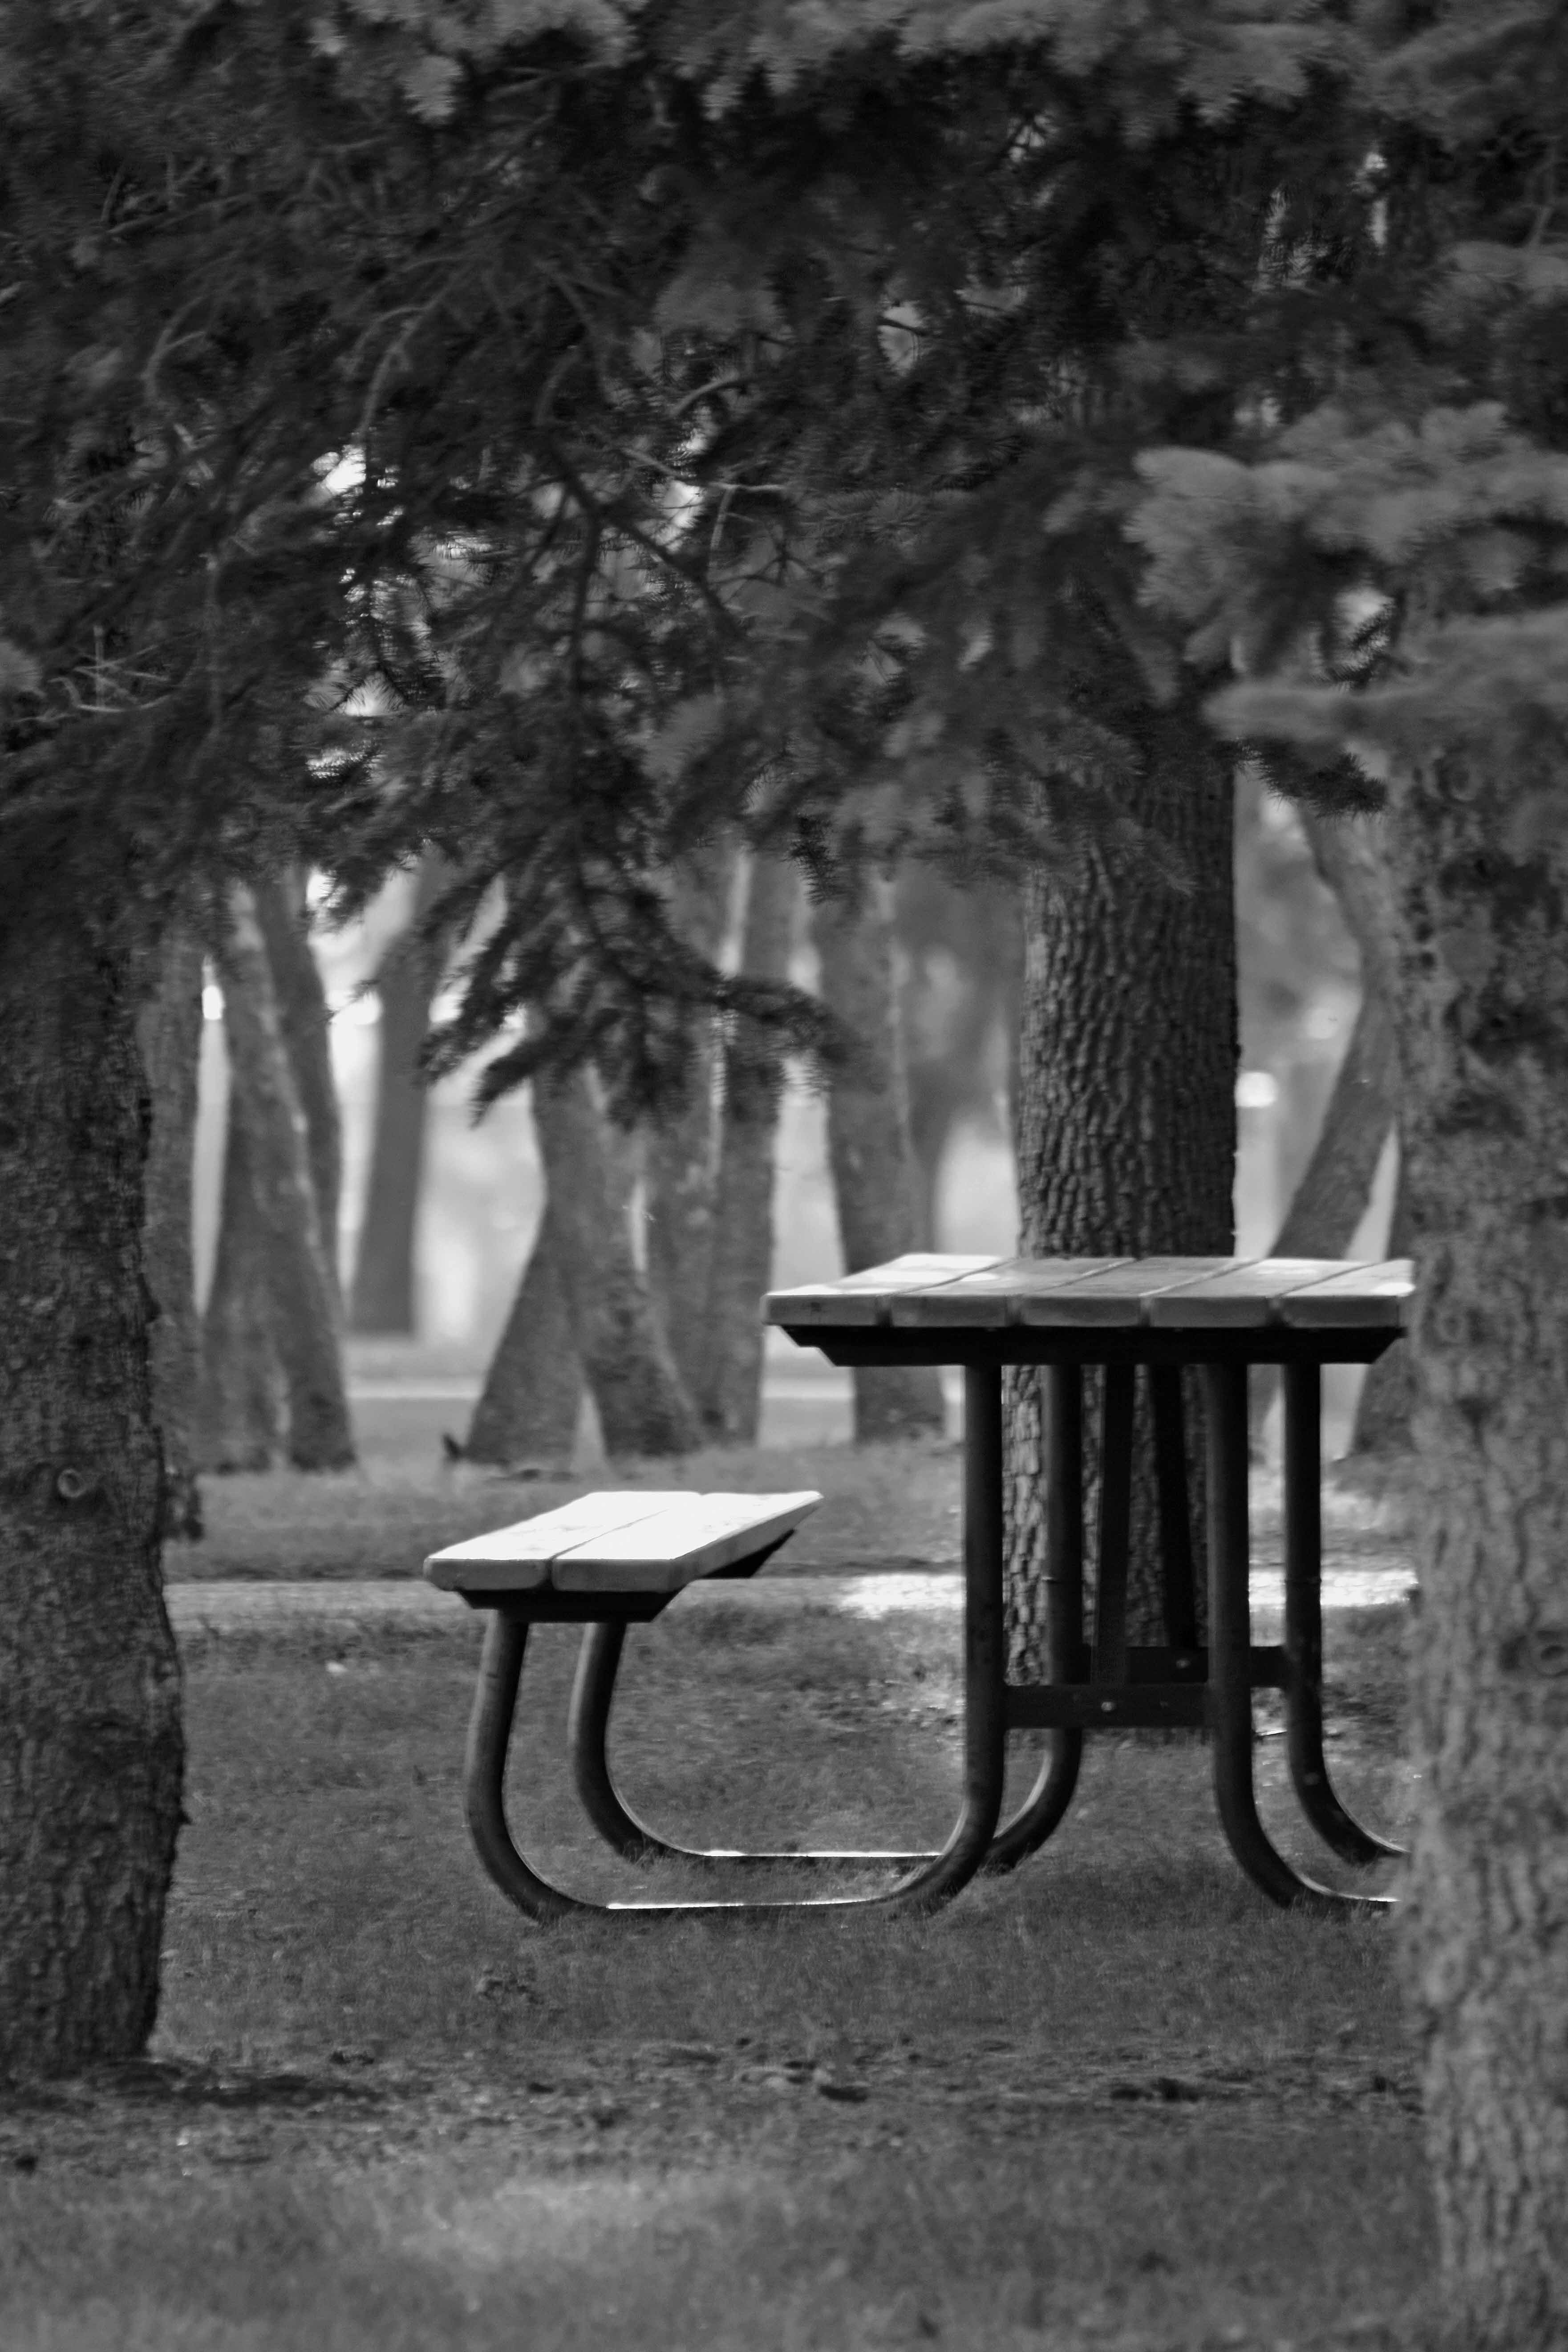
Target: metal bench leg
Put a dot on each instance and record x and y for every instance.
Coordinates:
(1304, 1626)
(939, 1877)
(1042, 1811)
(1230, 1679)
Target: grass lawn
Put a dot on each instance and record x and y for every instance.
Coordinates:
(1114, 2100)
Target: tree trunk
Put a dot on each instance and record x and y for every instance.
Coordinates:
(729, 1391)
(528, 1411)
(90, 1751)
(240, 1422)
(680, 1164)
(644, 1408)
(300, 1292)
(306, 1024)
(169, 1031)
(383, 1282)
(1483, 1016)
(1127, 1108)
(869, 1142)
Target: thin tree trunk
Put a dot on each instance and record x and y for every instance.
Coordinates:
(383, 1298)
(300, 1292)
(169, 1031)
(1481, 926)
(1383, 1408)
(1127, 1108)
(680, 1158)
(305, 1019)
(644, 1408)
(729, 1392)
(869, 1142)
(90, 1748)
(240, 1423)
(526, 1414)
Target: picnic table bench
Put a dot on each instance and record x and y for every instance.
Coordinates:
(607, 1561)
(612, 1560)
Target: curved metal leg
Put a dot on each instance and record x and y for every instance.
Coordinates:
(939, 1877)
(1304, 1627)
(1042, 1811)
(1230, 1683)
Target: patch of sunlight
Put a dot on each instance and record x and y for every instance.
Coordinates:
(523, 2222)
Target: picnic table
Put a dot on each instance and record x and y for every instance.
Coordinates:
(1153, 1318)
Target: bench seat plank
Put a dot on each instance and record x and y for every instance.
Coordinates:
(652, 1541)
(517, 1559)
(1249, 1296)
(676, 1547)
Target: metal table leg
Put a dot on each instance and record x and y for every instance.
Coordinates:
(1230, 1680)
(939, 1877)
(1304, 1625)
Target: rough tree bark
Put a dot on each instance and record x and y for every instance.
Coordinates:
(383, 1296)
(306, 1024)
(644, 1408)
(527, 1412)
(1481, 926)
(169, 1033)
(300, 1293)
(729, 1388)
(868, 1141)
(680, 1164)
(91, 1751)
(1126, 1121)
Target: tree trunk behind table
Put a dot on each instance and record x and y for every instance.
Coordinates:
(91, 1749)
(729, 1391)
(1126, 1114)
(240, 1420)
(1482, 932)
(383, 1298)
(1382, 1411)
(169, 1031)
(643, 1405)
(301, 1296)
(527, 1412)
(869, 1143)
(306, 1023)
(680, 1163)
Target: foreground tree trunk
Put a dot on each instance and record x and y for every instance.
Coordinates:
(680, 1162)
(306, 1024)
(383, 1299)
(90, 1753)
(169, 1031)
(869, 1143)
(527, 1412)
(300, 1293)
(1482, 933)
(730, 1390)
(644, 1408)
(1127, 1105)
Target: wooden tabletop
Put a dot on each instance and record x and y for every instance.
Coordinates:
(930, 1293)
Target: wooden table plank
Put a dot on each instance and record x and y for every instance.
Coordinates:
(1247, 1297)
(1122, 1297)
(1377, 1294)
(517, 1559)
(867, 1297)
(993, 1297)
(694, 1538)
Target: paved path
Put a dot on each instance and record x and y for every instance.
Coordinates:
(242, 1606)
